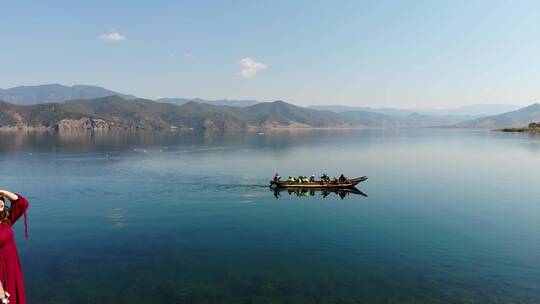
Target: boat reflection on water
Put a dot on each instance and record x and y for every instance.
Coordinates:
(324, 192)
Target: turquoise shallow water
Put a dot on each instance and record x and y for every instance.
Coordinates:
(451, 217)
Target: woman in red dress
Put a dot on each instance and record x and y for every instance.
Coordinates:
(11, 279)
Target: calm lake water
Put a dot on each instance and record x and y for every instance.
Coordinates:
(451, 217)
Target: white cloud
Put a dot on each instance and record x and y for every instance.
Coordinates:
(250, 67)
(188, 56)
(114, 36)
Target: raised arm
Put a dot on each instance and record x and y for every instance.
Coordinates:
(11, 196)
(18, 208)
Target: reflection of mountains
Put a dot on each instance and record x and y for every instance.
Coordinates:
(325, 193)
(90, 141)
(279, 141)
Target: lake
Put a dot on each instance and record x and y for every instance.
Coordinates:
(451, 216)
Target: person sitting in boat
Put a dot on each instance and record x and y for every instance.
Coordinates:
(277, 178)
(305, 180)
(342, 179)
(290, 180)
(325, 177)
(312, 178)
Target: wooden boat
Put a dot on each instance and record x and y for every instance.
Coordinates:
(318, 184)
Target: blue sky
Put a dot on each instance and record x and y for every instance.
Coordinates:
(370, 53)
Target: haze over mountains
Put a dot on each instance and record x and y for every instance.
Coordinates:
(88, 107)
(513, 119)
(470, 111)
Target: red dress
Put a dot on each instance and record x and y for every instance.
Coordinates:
(10, 266)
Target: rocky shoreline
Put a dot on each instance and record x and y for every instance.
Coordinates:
(87, 124)
(533, 127)
(82, 124)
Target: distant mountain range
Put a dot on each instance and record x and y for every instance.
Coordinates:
(76, 108)
(114, 112)
(220, 102)
(472, 111)
(30, 95)
(513, 119)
